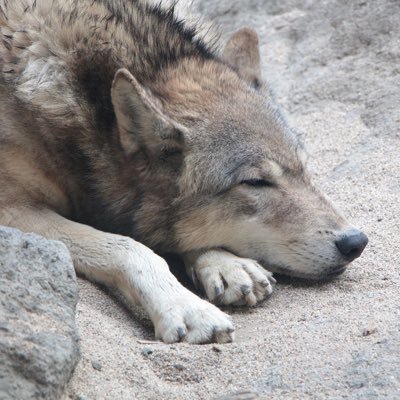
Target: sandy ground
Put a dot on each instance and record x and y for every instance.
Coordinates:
(334, 70)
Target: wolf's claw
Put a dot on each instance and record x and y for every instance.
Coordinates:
(231, 280)
(191, 319)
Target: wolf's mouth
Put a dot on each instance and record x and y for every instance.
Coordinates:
(291, 271)
(337, 271)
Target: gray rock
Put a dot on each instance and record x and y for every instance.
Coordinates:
(38, 337)
(246, 395)
(147, 351)
(97, 365)
(179, 367)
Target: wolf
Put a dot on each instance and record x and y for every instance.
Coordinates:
(126, 136)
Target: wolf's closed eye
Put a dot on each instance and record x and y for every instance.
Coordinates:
(257, 183)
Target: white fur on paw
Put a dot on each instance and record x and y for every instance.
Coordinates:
(191, 319)
(231, 280)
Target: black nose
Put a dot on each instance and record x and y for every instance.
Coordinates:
(351, 244)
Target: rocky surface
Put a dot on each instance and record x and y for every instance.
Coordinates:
(38, 336)
(334, 67)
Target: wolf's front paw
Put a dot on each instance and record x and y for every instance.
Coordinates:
(228, 279)
(193, 320)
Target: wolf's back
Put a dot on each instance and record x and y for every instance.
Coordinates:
(142, 37)
(59, 57)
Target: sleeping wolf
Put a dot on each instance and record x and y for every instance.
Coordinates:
(121, 131)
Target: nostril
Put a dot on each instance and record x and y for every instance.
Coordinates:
(351, 244)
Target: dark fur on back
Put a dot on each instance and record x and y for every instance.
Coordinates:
(94, 38)
(159, 40)
(162, 40)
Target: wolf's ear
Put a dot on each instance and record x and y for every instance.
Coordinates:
(140, 119)
(242, 53)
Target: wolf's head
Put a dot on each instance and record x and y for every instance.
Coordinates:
(222, 169)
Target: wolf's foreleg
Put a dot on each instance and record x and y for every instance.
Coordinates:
(141, 275)
(228, 279)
